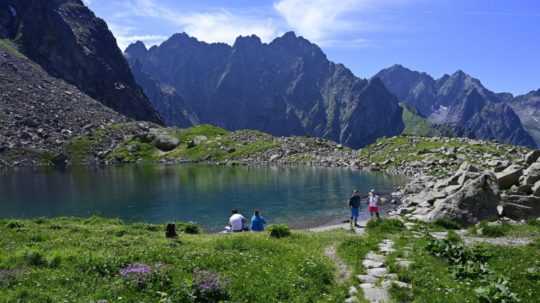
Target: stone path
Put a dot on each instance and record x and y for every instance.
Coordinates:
(377, 281)
(343, 272)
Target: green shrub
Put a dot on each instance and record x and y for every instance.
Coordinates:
(54, 261)
(494, 230)
(34, 258)
(496, 290)
(14, 224)
(279, 231)
(189, 228)
(448, 224)
(385, 226)
(534, 222)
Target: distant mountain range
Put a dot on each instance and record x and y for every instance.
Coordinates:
(286, 87)
(63, 75)
(459, 102)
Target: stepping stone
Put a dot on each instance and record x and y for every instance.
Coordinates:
(375, 294)
(367, 278)
(375, 257)
(352, 291)
(372, 264)
(439, 235)
(377, 272)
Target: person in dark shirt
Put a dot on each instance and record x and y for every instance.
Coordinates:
(354, 205)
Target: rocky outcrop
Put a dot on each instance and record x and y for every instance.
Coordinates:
(509, 177)
(287, 87)
(468, 196)
(69, 42)
(458, 102)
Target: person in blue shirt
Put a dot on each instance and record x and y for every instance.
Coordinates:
(257, 222)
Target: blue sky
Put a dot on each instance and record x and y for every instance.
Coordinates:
(497, 41)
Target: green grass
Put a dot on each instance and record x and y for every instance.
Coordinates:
(11, 47)
(78, 260)
(415, 124)
(461, 278)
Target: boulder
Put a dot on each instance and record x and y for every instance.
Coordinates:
(519, 207)
(531, 175)
(532, 157)
(509, 176)
(476, 200)
(162, 139)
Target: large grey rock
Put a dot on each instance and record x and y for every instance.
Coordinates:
(532, 156)
(476, 200)
(162, 139)
(531, 175)
(520, 207)
(509, 176)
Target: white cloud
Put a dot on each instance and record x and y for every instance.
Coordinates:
(218, 25)
(330, 21)
(222, 26)
(126, 35)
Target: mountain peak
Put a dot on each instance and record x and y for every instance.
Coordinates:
(136, 50)
(251, 40)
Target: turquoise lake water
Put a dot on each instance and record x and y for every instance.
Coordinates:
(300, 196)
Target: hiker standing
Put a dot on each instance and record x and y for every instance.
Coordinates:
(373, 204)
(354, 205)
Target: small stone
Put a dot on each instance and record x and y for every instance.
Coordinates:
(367, 278)
(377, 272)
(352, 291)
(372, 264)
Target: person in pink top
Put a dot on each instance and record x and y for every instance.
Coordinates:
(373, 204)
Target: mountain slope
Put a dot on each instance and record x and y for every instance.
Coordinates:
(527, 107)
(286, 87)
(39, 114)
(459, 102)
(71, 43)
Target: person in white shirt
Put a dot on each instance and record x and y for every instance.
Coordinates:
(373, 204)
(237, 221)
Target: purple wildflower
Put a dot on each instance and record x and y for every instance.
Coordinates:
(135, 269)
(136, 273)
(209, 287)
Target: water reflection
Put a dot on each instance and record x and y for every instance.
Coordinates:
(300, 196)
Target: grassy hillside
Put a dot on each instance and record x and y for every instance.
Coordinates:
(415, 124)
(80, 260)
(87, 260)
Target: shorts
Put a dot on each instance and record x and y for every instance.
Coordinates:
(373, 209)
(354, 212)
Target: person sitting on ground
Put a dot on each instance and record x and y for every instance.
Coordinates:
(257, 222)
(373, 204)
(237, 221)
(354, 205)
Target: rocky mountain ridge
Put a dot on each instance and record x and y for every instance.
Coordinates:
(527, 107)
(286, 87)
(459, 102)
(69, 42)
